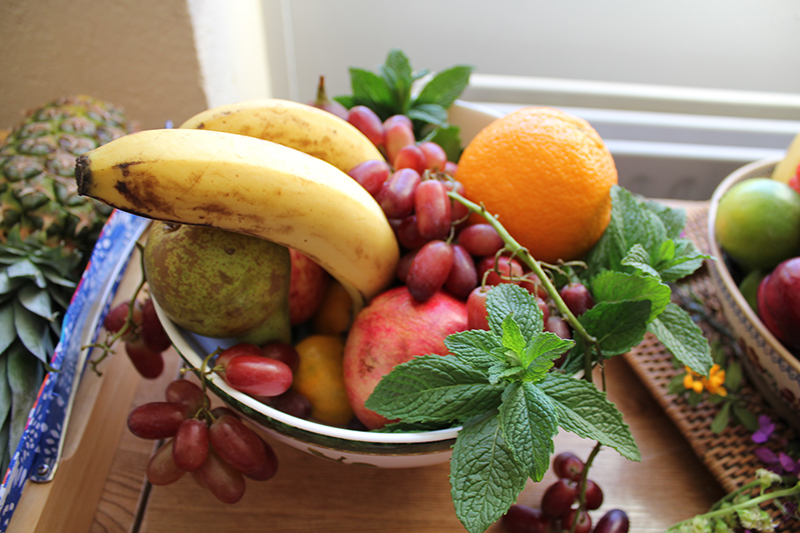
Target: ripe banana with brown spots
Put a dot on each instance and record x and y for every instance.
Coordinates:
(251, 186)
(299, 126)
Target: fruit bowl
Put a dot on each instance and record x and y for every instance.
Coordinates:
(772, 368)
(384, 450)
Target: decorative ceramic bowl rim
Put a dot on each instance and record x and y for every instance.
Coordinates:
(719, 266)
(192, 358)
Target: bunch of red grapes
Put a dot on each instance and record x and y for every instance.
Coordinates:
(441, 249)
(560, 510)
(213, 445)
(137, 325)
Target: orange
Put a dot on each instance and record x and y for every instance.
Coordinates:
(320, 378)
(547, 175)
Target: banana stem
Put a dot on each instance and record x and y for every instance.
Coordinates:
(518, 250)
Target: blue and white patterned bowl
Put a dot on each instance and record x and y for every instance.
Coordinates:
(773, 370)
(384, 450)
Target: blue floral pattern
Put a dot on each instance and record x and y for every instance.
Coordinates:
(40, 443)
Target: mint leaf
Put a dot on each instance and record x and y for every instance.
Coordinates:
(638, 258)
(507, 299)
(684, 260)
(540, 353)
(445, 86)
(428, 114)
(674, 219)
(512, 338)
(587, 412)
(396, 71)
(433, 388)
(529, 423)
(610, 286)
(680, 335)
(617, 326)
(448, 138)
(477, 348)
(371, 90)
(485, 478)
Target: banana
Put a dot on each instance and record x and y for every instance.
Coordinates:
(251, 186)
(299, 126)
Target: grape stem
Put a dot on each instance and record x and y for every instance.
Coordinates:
(512, 246)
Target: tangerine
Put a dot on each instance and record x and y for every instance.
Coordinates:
(546, 175)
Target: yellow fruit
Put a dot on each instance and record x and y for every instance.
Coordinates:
(335, 314)
(320, 378)
(787, 167)
(547, 175)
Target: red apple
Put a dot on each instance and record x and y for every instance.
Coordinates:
(307, 286)
(391, 330)
(779, 302)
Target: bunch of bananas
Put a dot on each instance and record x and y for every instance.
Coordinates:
(270, 168)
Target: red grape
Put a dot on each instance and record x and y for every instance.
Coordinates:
(397, 135)
(237, 444)
(394, 119)
(451, 168)
(410, 156)
(148, 363)
(463, 276)
(435, 156)
(567, 465)
(458, 211)
(368, 123)
(371, 175)
(397, 196)
(258, 375)
(404, 264)
(408, 233)
(481, 240)
(477, 317)
(432, 209)
(594, 495)
(190, 445)
(580, 519)
(524, 519)
(153, 334)
(284, 352)
(558, 498)
(614, 521)
(243, 348)
(161, 469)
(222, 410)
(185, 392)
(500, 270)
(117, 317)
(577, 298)
(429, 269)
(293, 403)
(225, 482)
(157, 420)
(270, 466)
(559, 326)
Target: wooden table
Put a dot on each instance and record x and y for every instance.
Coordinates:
(101, 487)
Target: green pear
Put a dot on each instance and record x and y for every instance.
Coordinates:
(218, 283)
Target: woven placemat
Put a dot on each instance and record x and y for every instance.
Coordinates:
(730, 455)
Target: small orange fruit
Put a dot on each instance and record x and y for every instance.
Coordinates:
(546, 175)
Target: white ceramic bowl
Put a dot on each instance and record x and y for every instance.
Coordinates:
(385, 450)
(772, 369)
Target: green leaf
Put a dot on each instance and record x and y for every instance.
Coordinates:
(680, 335)
(32, 331)
(507, 299)
(745, 417)
(8, 331)
(512, 338)
(26, 269)
(449, 139)
(445, 86)
(528, 421)
(5, 392)
(433, 388)
(24, 377)
(540, 353)
(9, 285)
(475, 347)
(485, 478)
(675, 385)
(721, 419)
(733, 376)
(611, 286)
(673, 219)
(686, 259)
(617, 326)
(396, 71)
(428, 114)
(587, 412)
(371, 90)
(37, 301)
(638, 258)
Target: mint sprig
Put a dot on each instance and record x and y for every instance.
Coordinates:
(500, 386)
(396, 89)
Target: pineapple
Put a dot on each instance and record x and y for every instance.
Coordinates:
(47, 233)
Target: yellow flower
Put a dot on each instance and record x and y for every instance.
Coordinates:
(714, 383)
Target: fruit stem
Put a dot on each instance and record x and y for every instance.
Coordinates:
(518, 250)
